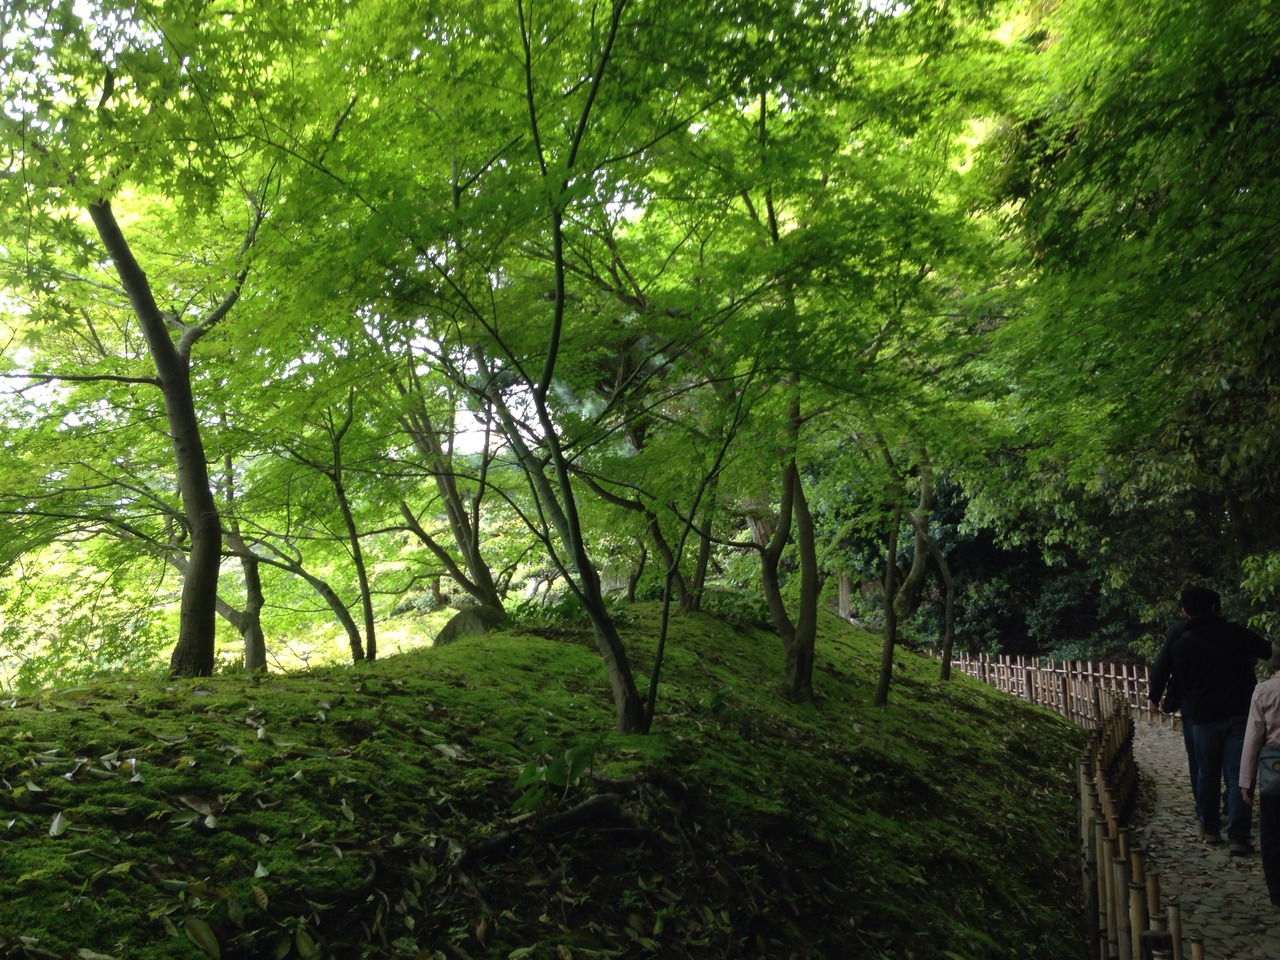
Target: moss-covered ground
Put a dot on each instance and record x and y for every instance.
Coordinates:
(473, 801)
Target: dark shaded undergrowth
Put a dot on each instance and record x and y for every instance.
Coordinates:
(472, 801)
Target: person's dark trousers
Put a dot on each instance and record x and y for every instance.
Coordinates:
(1189, 740)
(1192, 767)
(1269, 828)
(1218, 748)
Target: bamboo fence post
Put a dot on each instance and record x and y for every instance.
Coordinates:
(1089, 877)
(1153, 900)
(1156, 945)
(1175, 928)
(1197, 948)
(1137, 915)
(1120, 903)
(1104, 876)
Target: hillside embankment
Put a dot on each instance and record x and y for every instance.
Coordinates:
(472, 801)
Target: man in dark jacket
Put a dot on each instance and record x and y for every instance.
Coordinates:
(1164, 682)
(1213, 660)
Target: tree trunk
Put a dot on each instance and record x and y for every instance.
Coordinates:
(194, 652)
(844, 597)
(699, 586)
(558, 503)
(800, 654)
(907, 600)
(255, 642)
(633, 581)
(353, 534)
(798, 637)
(327, 593)
(890, 615)
(548, 472)
(249, 622)
(246, 622)
(629, 712)
(474, 575)
(771, 537)
(669, 562)
(949, 631)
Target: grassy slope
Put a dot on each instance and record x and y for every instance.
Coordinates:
(369, 811)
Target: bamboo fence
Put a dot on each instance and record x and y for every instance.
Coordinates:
(1125, 917)
(1067, 686)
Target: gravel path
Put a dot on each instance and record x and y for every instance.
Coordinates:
(1223, 898)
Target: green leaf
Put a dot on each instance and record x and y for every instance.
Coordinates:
(307, 948)
(199, 933)
(532, 773)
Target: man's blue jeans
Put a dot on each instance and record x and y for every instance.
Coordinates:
(1189, 740)
(1218, 748)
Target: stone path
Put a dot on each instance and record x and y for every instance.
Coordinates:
(1223, 898)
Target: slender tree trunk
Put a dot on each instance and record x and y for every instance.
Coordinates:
(548, 472)
(330, 596)
(255, 641)
(193, 654)
(771, 537)
(294, 566)
(353, 533)
(800, 654)
(669, 562)
(633, 581)
(558, 503)
(798, 638)
(249, 622)
(703, 564)
(844, 597)
(949, 631)
(246, 622)
(907, 600)
(890, 614)
(474, 575)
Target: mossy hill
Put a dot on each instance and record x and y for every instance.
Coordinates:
(473, 801)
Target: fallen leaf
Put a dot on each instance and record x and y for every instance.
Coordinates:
(199, 804)
(59, 825)
(306, 946)
(199, 933)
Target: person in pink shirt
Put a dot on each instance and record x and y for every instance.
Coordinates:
(1263, 726)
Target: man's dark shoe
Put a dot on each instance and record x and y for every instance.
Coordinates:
(1213, 837)
(1240, 848)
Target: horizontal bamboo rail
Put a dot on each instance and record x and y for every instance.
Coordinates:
(1066, 686)
(1125, 916)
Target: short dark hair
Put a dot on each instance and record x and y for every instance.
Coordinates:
(1198, 600)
